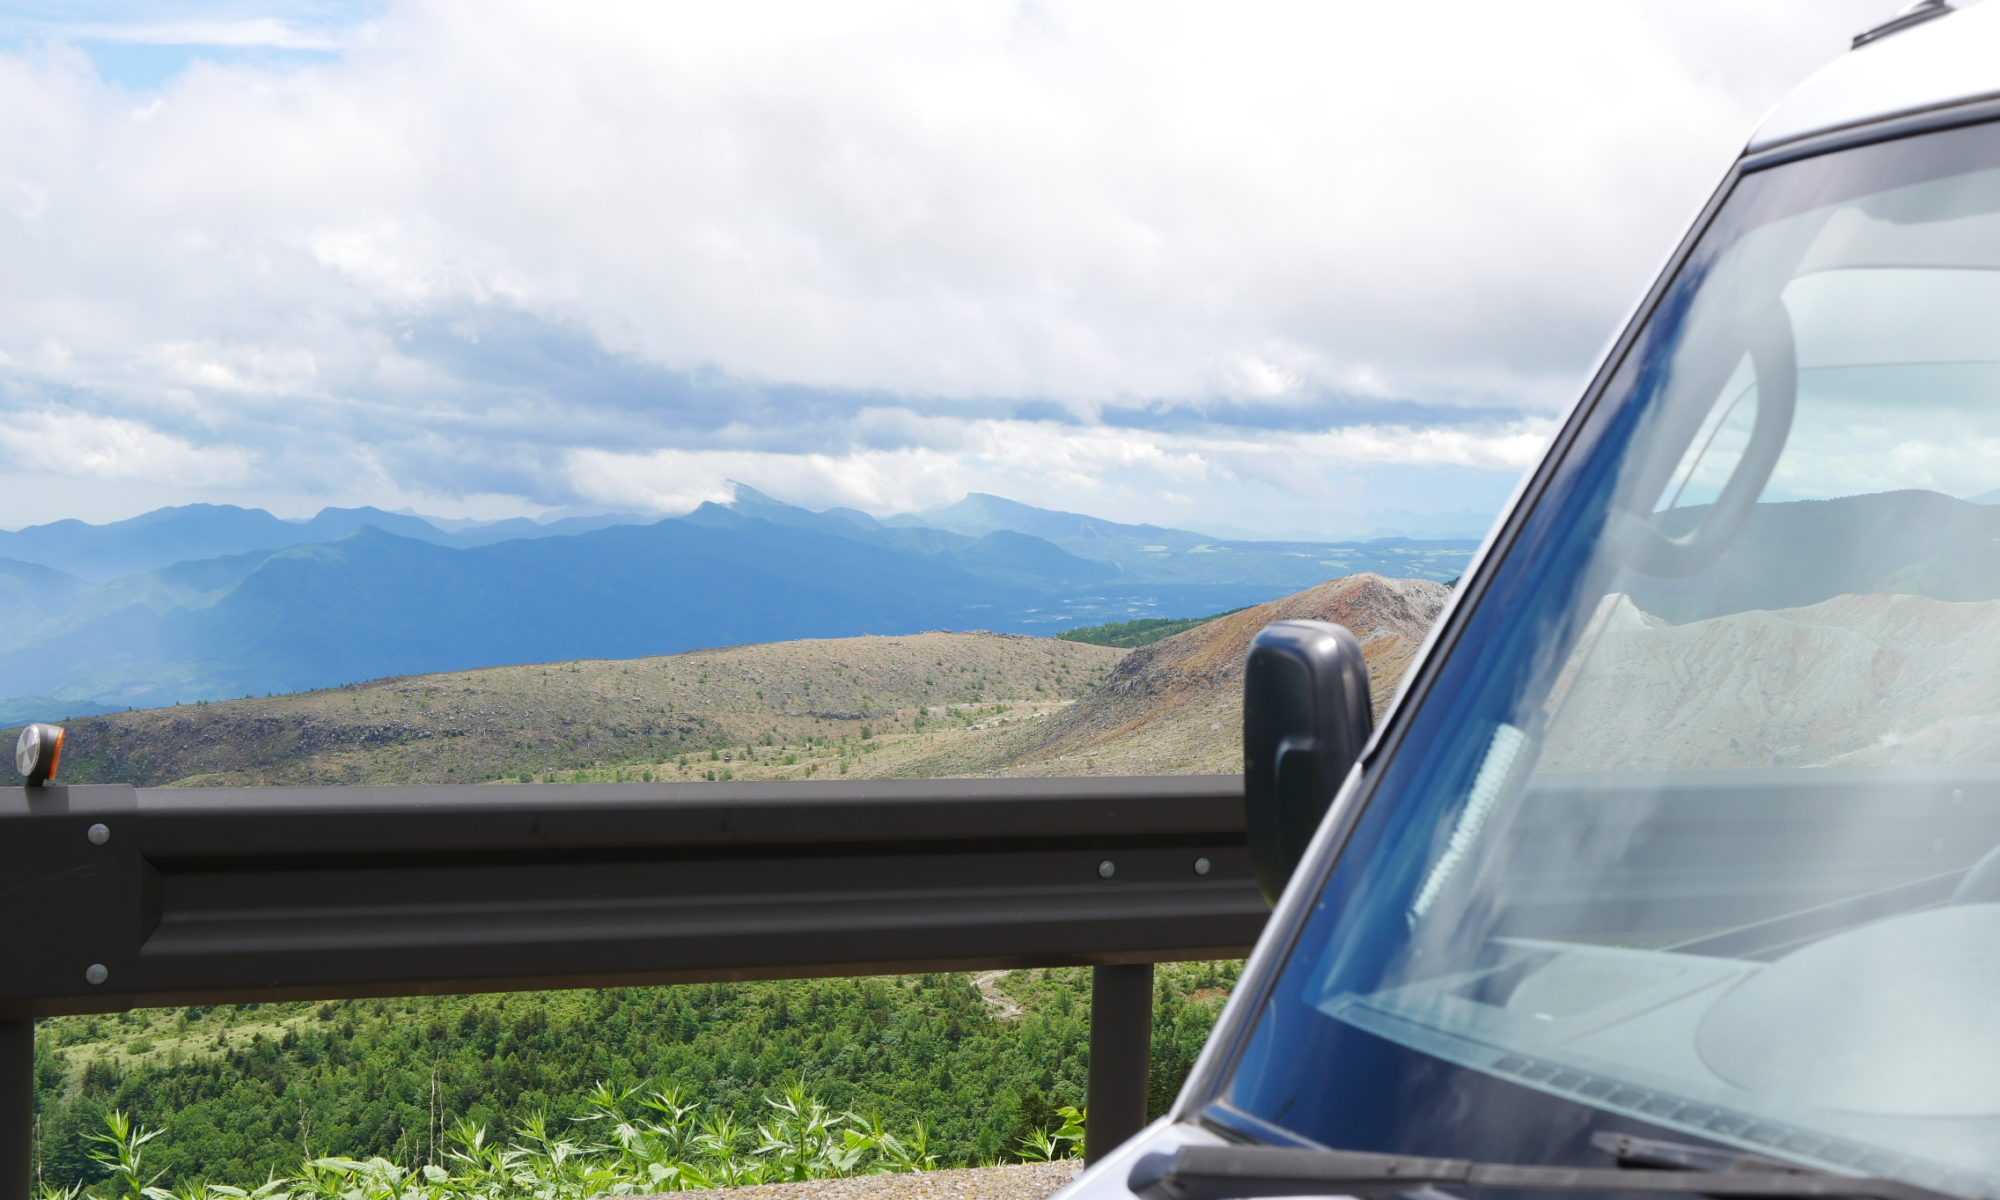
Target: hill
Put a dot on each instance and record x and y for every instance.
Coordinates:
(1176, 706)
(781, 709)
(926, 705)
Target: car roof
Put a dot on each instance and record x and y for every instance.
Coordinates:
(1944, 61)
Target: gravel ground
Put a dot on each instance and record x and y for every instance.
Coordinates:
(1022, 1181)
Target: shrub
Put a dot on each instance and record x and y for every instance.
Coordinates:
(626, 1143)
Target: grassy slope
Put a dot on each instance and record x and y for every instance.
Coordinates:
(630, 719)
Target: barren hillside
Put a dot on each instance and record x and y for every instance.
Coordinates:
(1176, 707)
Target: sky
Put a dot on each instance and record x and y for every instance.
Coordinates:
(1285, 269)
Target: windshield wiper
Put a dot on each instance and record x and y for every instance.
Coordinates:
(1240, 1172)
(1630, 1150)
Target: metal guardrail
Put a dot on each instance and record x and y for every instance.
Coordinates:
(113, 897)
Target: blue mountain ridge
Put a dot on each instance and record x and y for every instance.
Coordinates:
(188, 532)
(376, 601)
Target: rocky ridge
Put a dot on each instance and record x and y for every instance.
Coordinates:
(1176, 706)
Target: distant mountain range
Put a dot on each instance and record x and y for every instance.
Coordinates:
(167, 536)
(214, 602)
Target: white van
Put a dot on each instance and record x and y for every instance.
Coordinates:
(1676, 865)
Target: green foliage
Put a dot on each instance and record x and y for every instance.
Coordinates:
(1142, 632)
(122, 1153)
(1043, 1145)
(248, 1092)
(624, 1143)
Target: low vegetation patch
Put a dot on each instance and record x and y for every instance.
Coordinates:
(627, 1142)
(1145, 631)
(249, 1092)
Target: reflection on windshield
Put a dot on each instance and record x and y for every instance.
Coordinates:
(1704, 835)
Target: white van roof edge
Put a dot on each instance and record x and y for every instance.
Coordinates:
(1895, 69)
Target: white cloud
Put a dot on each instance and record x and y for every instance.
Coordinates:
(273, 371)
(1087, 201)
(116, 450)
(1090, 204)
(1109, 471)
(242, 32)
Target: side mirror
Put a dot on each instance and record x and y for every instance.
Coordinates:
(38, 752)
(1306, 716)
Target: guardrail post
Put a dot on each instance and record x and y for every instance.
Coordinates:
(17, 1108)
(1121, 1051)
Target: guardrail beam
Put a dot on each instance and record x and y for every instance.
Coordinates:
(117, 898)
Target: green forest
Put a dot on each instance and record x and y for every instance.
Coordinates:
(240, 1093)
(1129, 635)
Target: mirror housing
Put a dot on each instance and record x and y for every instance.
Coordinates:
(1306, 717)
(38, 752)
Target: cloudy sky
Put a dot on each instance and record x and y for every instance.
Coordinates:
(1317, 268)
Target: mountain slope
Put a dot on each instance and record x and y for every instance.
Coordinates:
(1003, 555)
(1176, 706)
(1154, 554)
(982, 512)
(637, 717)
(927, 705)
(372, 605)
(30, 592)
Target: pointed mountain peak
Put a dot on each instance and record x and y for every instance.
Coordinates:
(748, 501)
(742, 495)
(708, 512)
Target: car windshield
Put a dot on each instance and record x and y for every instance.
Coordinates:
(1696, 833)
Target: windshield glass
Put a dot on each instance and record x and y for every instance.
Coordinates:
(1697, 834)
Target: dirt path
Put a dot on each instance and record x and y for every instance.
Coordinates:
(1005, 1007)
